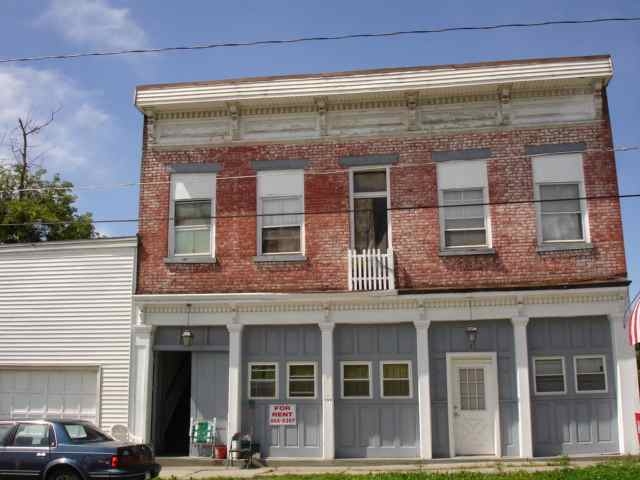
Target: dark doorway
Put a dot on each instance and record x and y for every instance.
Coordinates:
(171, 403)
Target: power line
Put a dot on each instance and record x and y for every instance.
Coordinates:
(319, 38)
(307, 172)
(336, 212)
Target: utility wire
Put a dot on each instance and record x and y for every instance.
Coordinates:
(334, 212)
(319, 38)
(307, 172)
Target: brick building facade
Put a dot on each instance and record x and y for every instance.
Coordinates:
(389, 241)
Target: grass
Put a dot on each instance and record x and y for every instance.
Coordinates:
(624, 469)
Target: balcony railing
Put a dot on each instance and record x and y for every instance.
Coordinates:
(371, 270)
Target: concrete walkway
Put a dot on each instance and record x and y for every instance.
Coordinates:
(353, 468)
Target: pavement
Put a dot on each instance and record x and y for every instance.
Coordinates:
(199, 471)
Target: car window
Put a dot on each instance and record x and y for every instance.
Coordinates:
(81, 433)
(32, 435)
(4, 432)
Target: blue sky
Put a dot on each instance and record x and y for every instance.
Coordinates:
(96, 137)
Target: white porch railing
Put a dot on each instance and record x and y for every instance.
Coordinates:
(371, 270)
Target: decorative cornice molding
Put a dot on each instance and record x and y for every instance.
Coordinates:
(382, 304)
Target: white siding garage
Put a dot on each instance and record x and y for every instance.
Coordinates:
(65, 329)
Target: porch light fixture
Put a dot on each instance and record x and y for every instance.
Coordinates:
(472, 337)
(186, 337)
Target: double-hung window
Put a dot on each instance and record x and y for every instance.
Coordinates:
(301, 380)
(591, 373)
(280, 212)
(370, 209)
(395, 379)
(559, 192)
(463, 195)
(549, 375)
(464, 218)
(356, 379)
(263, 380)
(192, 212)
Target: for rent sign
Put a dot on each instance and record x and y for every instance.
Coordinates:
(282, 414)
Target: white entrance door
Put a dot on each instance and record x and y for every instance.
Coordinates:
(474, 406)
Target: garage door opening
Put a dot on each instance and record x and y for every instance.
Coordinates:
(171, 403)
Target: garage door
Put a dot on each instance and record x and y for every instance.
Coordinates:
(63, 393)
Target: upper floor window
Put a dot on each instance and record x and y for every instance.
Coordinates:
(192, 222)
(463, 194)
(464, 218)
(280, 210)
(370, 209)
(559, 191)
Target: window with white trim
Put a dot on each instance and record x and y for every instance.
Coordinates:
(280, 210)
(192, 212)
(464, 218)
(356, 379)
(462, 195)
(301, 380)
(263, 380)
(395, 379)
(591, 373)
(370, 209)
(559, 191)
(560, 212)
(549, 373)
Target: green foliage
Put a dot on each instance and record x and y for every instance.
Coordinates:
(36, 208)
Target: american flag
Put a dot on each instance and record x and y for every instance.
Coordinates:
(633, 320)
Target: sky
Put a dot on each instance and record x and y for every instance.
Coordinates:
(96, 136)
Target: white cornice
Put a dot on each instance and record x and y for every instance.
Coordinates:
(526, 74)
(344, 302)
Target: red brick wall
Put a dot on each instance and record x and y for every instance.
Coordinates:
(415, 232)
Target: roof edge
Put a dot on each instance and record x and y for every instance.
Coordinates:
(89, 244)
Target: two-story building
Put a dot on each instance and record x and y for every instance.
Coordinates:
(418, 262)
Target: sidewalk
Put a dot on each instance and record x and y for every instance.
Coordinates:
(353, 468)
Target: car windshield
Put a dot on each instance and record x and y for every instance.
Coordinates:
(82, 433)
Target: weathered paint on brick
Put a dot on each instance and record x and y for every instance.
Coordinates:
(416, 238)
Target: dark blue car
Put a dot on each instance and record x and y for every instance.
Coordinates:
(70, 450)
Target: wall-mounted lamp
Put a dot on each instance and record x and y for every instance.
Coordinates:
(472, 337)
(186, 337)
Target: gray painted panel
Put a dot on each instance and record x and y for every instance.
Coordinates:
(367, 160)
(467, 154)
(555, 148)
(204, 338)
(209, 389)
(279, 164)
(493, 336)
(376, 427)
(194, 168)
(282, 344)
(579, 423)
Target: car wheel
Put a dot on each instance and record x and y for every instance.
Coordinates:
(63, 474)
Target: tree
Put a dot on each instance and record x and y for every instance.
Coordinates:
(32, 207)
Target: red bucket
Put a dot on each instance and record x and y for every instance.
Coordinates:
(220, 452)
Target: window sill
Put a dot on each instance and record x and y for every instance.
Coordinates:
(190, 259)
(276, 258)
(454, 252)
(564, 247)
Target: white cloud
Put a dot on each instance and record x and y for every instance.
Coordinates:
(94, 23)
(75, 142)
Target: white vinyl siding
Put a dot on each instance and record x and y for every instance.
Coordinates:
(280, 212)
(67, 306)
(563, 218)
(463, 193)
